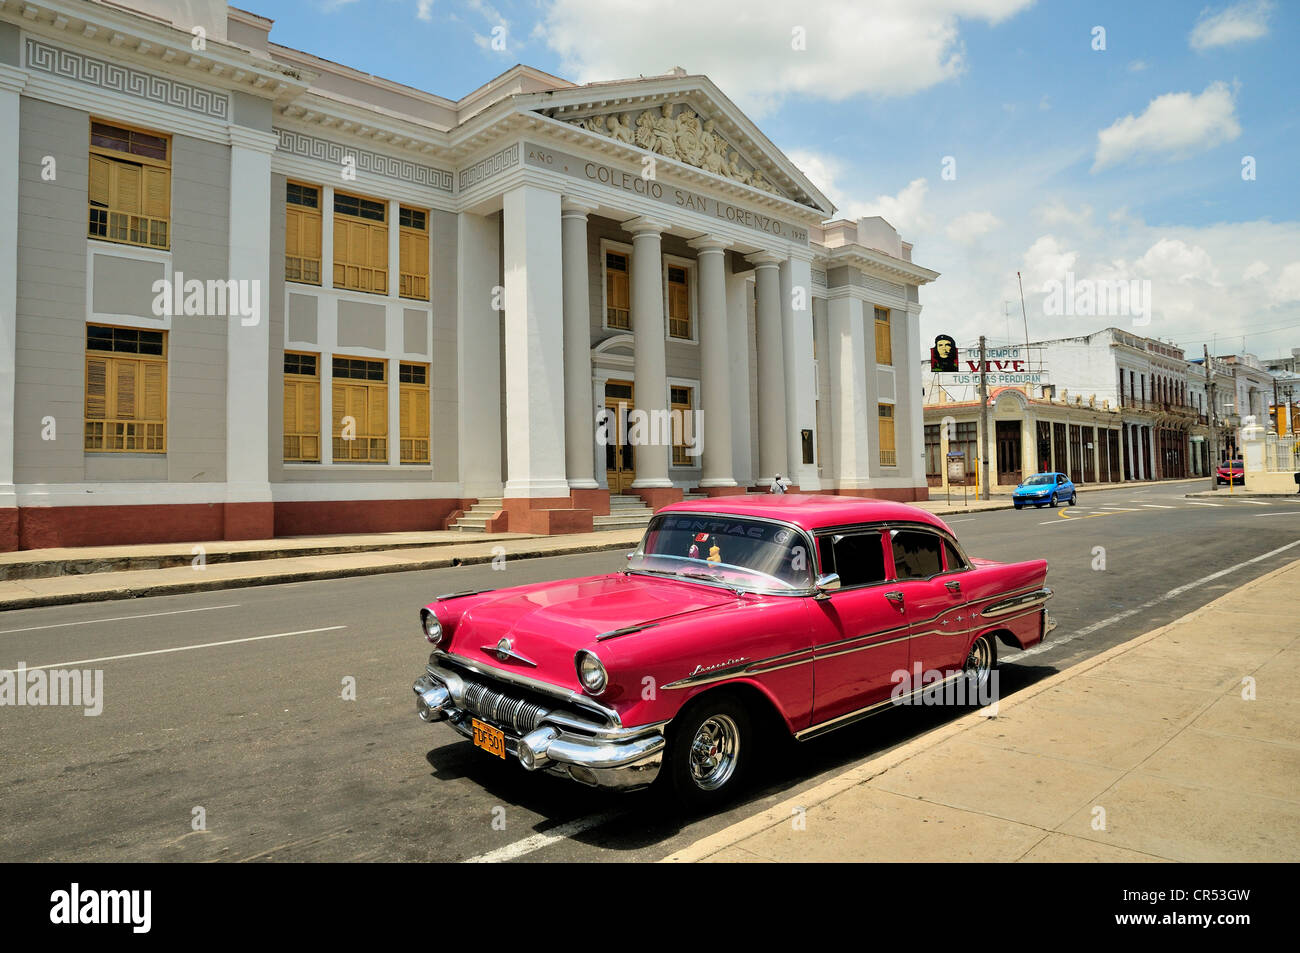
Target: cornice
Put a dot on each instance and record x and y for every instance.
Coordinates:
(103, 31)
(12, 79)
(879, 264)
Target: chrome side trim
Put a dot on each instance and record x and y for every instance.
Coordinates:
(812, 731)
(1016, 603)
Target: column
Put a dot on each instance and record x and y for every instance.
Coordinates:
(715, 356)
(579, 414)
(11, 84)
(650, 361)
(478, 354)
(800, 388)
(1096, 454)
(772, 445)
(394, 330)
(249, 513)
(909, 412)
(534, 349)
(739, 296)
(846, 351)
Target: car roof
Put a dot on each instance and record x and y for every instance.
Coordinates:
(810, 511)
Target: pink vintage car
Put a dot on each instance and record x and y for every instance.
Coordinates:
(801, 612)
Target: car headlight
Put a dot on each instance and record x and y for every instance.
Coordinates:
(431, 626)
(591, 673)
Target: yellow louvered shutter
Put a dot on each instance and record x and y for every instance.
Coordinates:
(293, 226)
(155, 391)
(127, 190)
(101, 175)
(157, 192)
(377, 415)
(310, 238)
(309, 418)
(125, 390)
(96, 388)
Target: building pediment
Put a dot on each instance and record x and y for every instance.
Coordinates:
(687, 120)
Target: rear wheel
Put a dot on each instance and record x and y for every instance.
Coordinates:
(709, 751)
(1074, 498)
(979, 667)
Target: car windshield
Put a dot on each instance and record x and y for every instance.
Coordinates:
(1038, 479)
(748, 554)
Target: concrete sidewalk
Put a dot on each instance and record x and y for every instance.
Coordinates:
(1148, 752)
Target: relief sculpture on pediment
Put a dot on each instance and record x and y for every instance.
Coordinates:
(685, 137)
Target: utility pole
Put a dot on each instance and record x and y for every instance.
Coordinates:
(1214, 431)
(984, 424)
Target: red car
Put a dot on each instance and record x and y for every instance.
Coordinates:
(801, 613)
(1230, 472)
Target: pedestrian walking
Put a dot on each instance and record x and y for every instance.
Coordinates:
(778, 485)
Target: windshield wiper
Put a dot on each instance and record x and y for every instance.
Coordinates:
(706, 577)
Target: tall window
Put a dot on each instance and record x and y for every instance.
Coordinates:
(681, 405)
(130, 186)
(360, 244)
(413, 379)
(360, 410)
(679, 303)
(301, 407)
(884, 342)
(933, 452)
(413, 279)
(126, 390)
(617, 295)
(302, 225)
(885, 420)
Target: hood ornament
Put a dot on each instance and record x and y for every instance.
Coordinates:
(505, 651)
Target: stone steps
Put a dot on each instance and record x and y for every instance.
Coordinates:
(474, 519)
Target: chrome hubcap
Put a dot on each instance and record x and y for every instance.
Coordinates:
(714, 751)
(980, 662)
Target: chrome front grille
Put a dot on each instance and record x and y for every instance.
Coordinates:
(486, 703)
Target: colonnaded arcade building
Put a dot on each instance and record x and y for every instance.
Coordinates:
(248, 292)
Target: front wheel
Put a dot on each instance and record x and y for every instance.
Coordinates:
(1053, 502)
(1017, 505)
(709, 751)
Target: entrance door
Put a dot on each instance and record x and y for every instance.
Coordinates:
(1008, 436)
(620, 456)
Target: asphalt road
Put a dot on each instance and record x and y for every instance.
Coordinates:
(232, 703)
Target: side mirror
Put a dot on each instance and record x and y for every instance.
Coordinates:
(827, 584)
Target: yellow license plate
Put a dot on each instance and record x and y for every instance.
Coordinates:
(492, 740)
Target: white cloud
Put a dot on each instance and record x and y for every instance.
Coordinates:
(1288, 284)
(1256, 269)
(424, 10)
(1174, 125)
(906, 210)
(1239, 23)
(1057, 212)
(966, 229)
(1137, 66)
(884, 48)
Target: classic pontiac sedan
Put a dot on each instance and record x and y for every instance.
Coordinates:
(801, 613)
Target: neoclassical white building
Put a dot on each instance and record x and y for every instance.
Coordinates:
(380, 307)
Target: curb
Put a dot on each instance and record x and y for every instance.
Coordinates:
(861, 774)
(276, 579)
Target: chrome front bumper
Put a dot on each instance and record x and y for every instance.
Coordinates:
(547, 739)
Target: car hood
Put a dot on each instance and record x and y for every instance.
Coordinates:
(547, 624)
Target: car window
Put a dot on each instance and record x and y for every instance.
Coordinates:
(858, 558)
(916, 554)
(952, 558)
(1060, 478)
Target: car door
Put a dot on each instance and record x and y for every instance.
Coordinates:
(931, 598)
(860, 636)
(1063, 487)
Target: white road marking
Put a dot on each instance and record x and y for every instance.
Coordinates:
(1157, 506)
(1194, 503)
(181, 648)
(119, 618)
(1151, 603)
(538, 841)
(1254, 502)
(1256, 516)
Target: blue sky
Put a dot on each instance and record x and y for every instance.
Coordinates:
(1050, 174)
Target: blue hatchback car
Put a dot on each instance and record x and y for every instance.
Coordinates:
(1045, 489)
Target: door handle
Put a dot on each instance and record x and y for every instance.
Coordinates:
(896, 598)
(953, 586)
